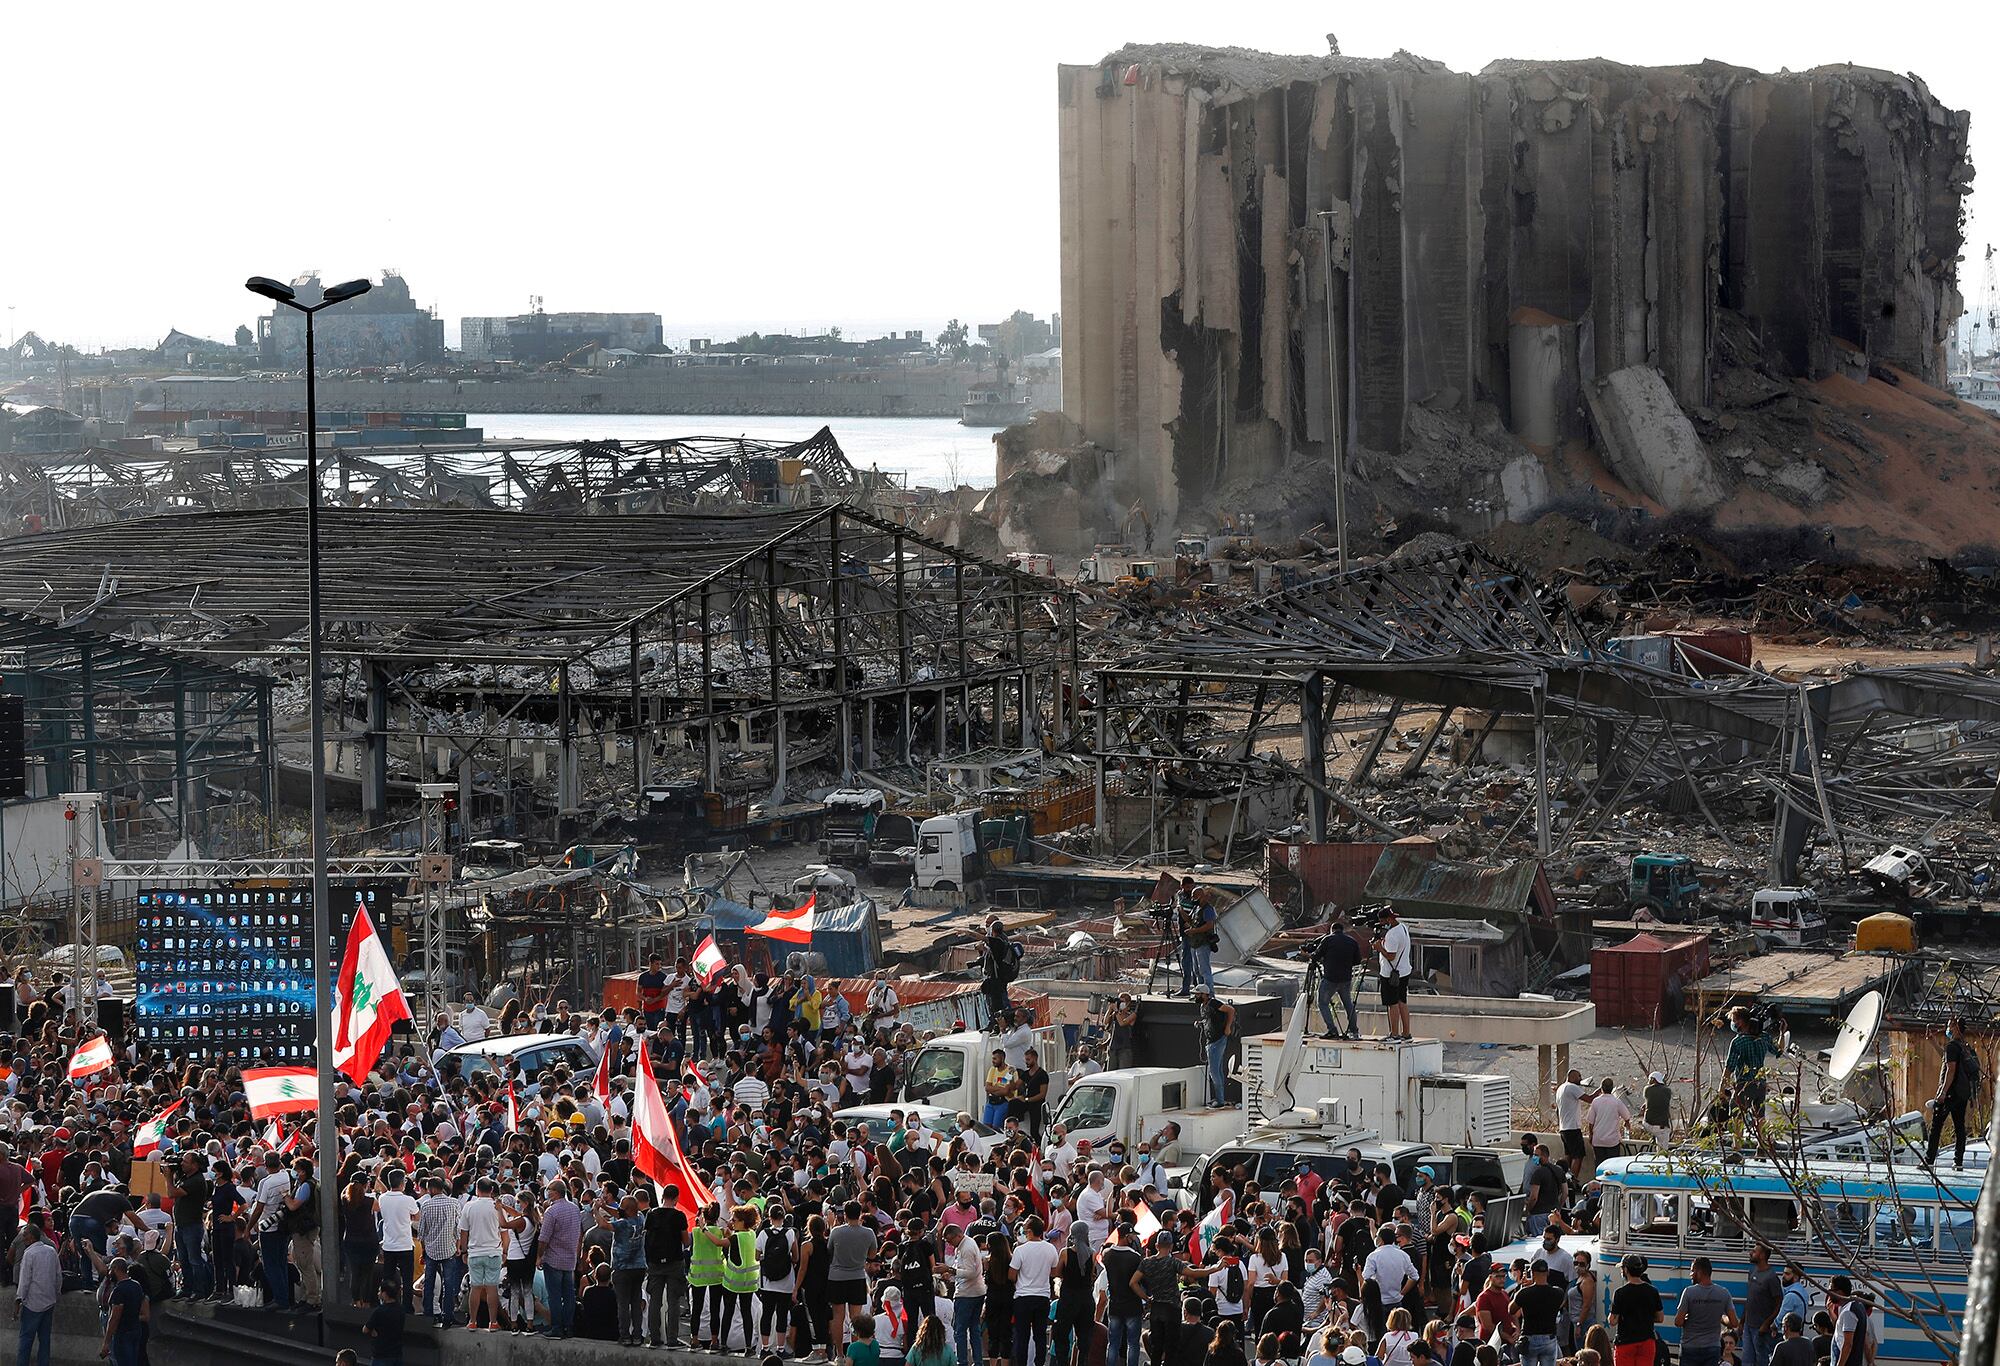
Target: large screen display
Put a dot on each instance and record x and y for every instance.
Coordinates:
(230, 970)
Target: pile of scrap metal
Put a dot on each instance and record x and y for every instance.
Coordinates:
(1875, 757)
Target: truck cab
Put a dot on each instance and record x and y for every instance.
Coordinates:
(950, 1070)
(848, 829)
(1789, 916)
(1664, 884)
(1272, 1156)
(948, 854)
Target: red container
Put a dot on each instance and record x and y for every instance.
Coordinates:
(1641, 983)
(1331, 874)
(1715, 654)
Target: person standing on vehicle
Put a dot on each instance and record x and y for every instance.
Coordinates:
(1334, 958)
(1218, 1019)
(1658, 1110)
(1958, 1088)
(1607, 1117)
(1124, 1028)
(999, 964)
(1393, 971)
(1570, 1097)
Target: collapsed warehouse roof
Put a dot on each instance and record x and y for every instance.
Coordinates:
(826, 623)
(1876, 755)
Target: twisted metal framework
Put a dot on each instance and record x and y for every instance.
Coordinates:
(1875, 756)
(77, 488)
(811, 621)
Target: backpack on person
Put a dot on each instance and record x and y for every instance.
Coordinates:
(776, 1262)
(1007, 963)
(1966, 1080)
(1232, 1283)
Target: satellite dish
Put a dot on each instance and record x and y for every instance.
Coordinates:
(1856, 1033)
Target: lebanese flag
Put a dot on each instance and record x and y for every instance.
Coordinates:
(280, 1090)
(656, 1149)
(513, 1111)
(368, 999)
(92, 1056)
(278, 1140)
(600, 1085)
(1211, 1226)
(709, 962)
(146, 1138)
(794, 926)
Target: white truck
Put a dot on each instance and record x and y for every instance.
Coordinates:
(949, 857)
(950, 1071)
(1398, 1090)
(1787, 916)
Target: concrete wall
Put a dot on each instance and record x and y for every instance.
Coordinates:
(1616, 201)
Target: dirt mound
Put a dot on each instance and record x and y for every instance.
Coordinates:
(1551, 542)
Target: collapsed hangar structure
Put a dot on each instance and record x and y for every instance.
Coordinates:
(736, 647)
(1334, 668)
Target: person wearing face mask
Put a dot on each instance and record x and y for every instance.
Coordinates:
(1318, 1286)
(1093, 1207)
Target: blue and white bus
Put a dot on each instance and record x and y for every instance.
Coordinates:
(1903, 1233)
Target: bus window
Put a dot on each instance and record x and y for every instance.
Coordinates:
(1846, 1220)
(1905, 1228)
(1653, 1219)
(1955, 1230)
(1773, 1220)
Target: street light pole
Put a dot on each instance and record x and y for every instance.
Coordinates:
(326, 1133)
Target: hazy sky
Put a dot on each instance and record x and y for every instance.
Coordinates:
(725, 165)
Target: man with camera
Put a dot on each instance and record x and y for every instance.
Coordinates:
(1334, 959)
(1195, 911)
(1393, 969)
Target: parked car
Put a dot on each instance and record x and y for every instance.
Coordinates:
(534, 1052)
(942, 1123)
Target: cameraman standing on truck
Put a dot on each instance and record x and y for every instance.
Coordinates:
(1393, 970)
(1334, 958)
(1195, 911)
(999, 964)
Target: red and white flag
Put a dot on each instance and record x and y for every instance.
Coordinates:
(92, 1056)
(276, 1139)
(368, 999)
(513, 1111)
(600, 1085)
(794, 926)
(708, 961)
(147, 1137)
(656, 1148)
(280, 1090)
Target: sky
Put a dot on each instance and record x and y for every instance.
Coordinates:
(777, 166)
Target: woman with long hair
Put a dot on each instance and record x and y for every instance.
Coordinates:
(811, 1314)
(360, 1241)
(929, 1347)
(1261, 1274)
(1076, 1279)
(999, 1298)
(1226, 1349)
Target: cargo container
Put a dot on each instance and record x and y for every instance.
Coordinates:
(1307, 877)
(1640, 984)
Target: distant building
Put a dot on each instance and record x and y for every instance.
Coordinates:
(1021, 335)
(382, 327)
(538, 338)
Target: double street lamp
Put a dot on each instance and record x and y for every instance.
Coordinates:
(326, 1137)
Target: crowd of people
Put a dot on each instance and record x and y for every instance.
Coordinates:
(487, 1200)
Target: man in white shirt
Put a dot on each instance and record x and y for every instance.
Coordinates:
(1093, 1206)
(1060, 1152)
(1607, 1117)
(1393, 970)
(1570, 1097)
(1390, 1268)
(473, 1021)
(1083, 1065)
(483, 1251)
(883, 1002)
(751, 1091)
(1016, 1041)
(398, 1211)
(1033, 1269)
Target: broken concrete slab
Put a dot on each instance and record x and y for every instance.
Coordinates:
(1649, 443)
